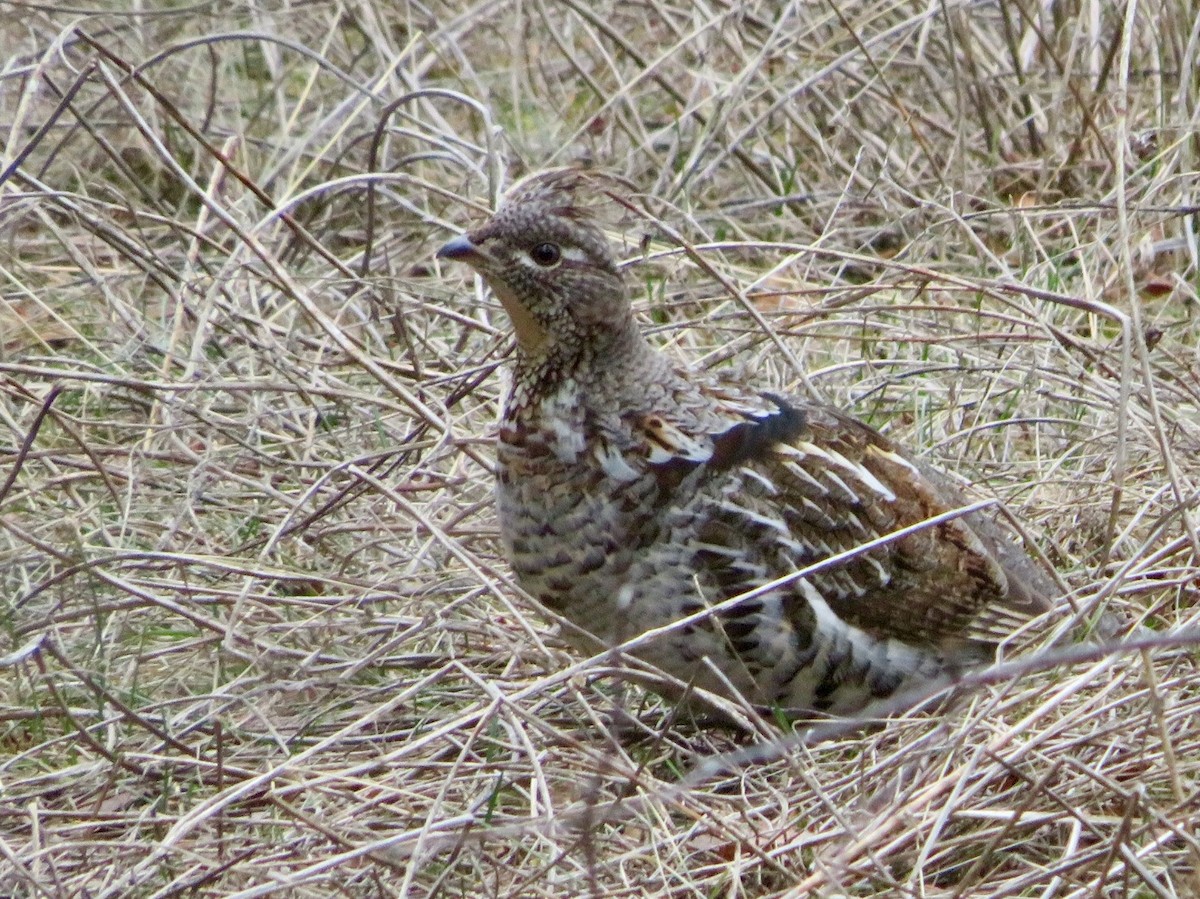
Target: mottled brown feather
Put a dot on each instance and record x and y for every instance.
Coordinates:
(633, 492)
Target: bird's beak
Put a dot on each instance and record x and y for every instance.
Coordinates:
(460, 249)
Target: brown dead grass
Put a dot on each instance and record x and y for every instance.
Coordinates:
(257, 637)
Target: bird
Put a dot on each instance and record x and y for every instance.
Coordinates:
(769, 548)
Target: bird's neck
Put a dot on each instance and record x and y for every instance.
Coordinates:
(591, 360)
(604, 374)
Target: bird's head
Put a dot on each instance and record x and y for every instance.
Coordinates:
(545, 256)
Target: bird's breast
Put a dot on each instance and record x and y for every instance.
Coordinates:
(565, 497)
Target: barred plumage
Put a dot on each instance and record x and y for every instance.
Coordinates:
(633, 492)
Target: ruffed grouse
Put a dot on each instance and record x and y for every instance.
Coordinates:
(633, 492)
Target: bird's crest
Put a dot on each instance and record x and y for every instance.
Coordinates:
(589, 196)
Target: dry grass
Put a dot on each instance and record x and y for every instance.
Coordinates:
(257, 637)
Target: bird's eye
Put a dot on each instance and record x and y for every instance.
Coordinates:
(546, 254)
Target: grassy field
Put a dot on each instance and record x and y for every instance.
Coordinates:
(257, 636)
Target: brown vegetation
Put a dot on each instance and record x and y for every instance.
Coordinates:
(257, 637)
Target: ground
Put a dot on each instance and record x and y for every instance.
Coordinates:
(258, 635)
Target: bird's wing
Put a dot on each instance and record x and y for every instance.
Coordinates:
(961, 580)
(829, 484)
